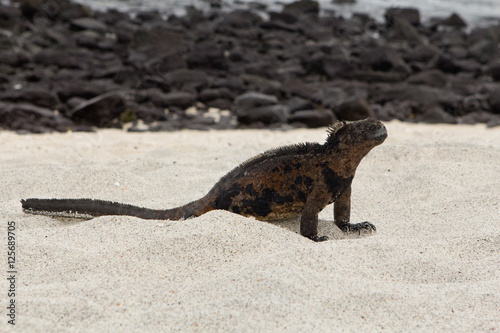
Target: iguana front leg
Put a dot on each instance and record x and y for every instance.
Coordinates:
(342, 215)
(309, 220)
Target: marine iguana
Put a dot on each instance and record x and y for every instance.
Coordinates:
(286, 182)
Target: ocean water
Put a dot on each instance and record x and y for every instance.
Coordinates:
(475, 12)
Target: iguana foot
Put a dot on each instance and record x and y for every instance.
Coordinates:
(319, 239)
(357, 227)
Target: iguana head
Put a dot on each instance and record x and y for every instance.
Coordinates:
(366, 134)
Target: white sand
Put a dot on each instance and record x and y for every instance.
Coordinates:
(434, 264)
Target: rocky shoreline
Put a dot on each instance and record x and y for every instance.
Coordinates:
(66, 67)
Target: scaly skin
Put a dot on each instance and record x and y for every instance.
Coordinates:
(286, 182)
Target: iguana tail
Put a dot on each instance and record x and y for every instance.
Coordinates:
(88, 208)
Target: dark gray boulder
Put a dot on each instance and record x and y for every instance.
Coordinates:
(313, 118)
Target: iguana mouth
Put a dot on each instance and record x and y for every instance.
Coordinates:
(381, 134)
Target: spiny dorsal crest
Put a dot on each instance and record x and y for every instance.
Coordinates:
(334, 129)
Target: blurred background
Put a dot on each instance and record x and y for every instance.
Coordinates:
(215, 64)
(474, 11)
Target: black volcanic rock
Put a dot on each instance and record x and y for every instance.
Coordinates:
(330, 97)
(433, 78)
(187, 79)
(494, 100)
(63, 58)
(29, 118)
(31, 8)
(384, 59)
(313, 118)
(353, 108)
(491, 33)
(382, 93)
(13, 58)
(301, 7)
(56, 9)
(208, 95)
(84, 88)
(420, 53)
(454, 20)
(207, 55)
(102, 111)
(411, 15)
(434, 114)
(446, 64)
(240, 19)
(267, 114)
(10, 17)
(490, 119)
(39, 96)
(158, 49)
(494, 69)
(371, 76)
(402, 30)
(254, 99)
(298, 104)
(254, 107)
(401, 110)
(484, 51)
(180, 99)
(87, 23)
